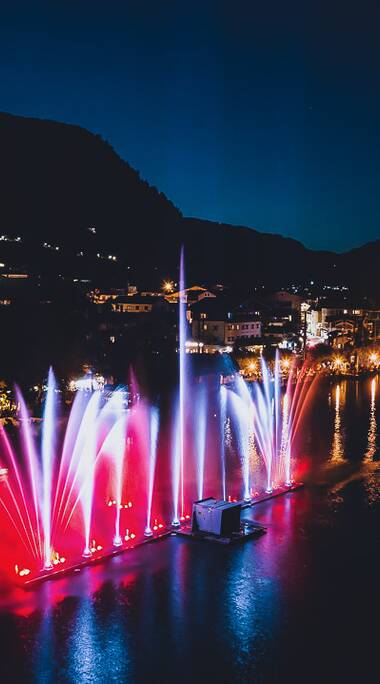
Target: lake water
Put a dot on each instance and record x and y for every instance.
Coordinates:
(300, 603)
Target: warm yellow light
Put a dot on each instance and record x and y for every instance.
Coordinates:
(252, 366)
(338, 361)
(373, 358)
(168, 286)
(286, 363)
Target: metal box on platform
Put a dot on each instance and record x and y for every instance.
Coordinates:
(221, 518)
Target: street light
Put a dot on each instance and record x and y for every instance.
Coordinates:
(338, 362)
(168, 286)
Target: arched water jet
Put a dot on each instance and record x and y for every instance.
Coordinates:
(94, 427)
(34, 469)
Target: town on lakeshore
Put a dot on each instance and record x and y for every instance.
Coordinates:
(337, 332)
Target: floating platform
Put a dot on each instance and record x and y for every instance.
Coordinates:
(102, 556)
(266, 496)
(248, 529)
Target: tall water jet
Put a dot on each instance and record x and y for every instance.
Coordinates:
(176, 465)
(277, 405)
(42, 492)
(182, 375)
(285, 440)
(178, 460)
(264, 422)
(242, 422)
(200, 417)
(152, 454)
(48, 448)
(87, 466)
(118, 441)
(246, 432)
(223, 420)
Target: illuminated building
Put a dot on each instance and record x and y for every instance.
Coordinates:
(190, 295)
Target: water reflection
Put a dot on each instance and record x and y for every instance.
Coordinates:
(44, 650)
(181, 611)
(372, 429)
(337, 448)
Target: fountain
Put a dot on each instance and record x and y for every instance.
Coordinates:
(73, 496)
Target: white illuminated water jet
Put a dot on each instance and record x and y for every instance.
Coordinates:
(117, 439)
(242, 416)
(200, 417)
(87, 465)
(223, 419)
(246, 421)
(153, 436)
(48, 448)
(265, 422)
(182, 376)
(277, 406)
(176, 465)
(179, 440)
(285, 440)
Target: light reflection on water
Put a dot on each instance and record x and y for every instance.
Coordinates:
(372, 429)
(180, 611)
(337, 447)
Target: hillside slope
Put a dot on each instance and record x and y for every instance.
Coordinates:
(58, 181)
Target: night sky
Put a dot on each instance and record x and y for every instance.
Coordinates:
(255, 113)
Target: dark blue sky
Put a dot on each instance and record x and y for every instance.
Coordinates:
(256, 113)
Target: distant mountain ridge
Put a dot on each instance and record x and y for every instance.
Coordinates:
(58, 181)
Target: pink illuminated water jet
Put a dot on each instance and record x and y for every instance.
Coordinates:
(115, 478)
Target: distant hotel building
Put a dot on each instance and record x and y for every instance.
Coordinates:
(212, 324)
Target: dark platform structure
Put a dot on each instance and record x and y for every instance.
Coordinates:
(212, 520)
(216, 517)
(219, 521)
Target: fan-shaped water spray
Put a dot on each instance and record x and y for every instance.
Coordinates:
(91, 489)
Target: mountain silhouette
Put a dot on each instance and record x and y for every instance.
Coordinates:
(66, 187)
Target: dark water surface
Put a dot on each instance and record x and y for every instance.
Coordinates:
(300, 603)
